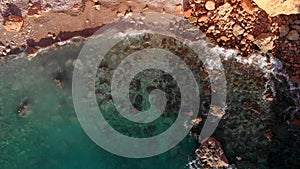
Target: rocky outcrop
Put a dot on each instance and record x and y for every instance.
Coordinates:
(265, 41)
(239, 24)
(211, 154)
(277, 7)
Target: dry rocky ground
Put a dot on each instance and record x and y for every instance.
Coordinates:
(243, 25)
(29, 25)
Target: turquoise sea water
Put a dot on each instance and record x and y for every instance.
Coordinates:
(49, 135)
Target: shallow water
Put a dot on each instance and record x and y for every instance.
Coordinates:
(49, 135)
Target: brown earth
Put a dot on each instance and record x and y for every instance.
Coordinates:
(45, 24)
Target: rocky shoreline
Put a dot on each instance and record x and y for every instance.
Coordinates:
(243, 25)
(236, 24)
(248, 26)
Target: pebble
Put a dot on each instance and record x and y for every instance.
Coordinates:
(250, 37)
(119, 14)
(210, 29)
(224, 38)
(193, 19)
(239, 158)
(2, 46)
(188, 12)
(76, 6)
(210, 5)
(202, 18)
(145, 8)
(238, 30)
(97, 6)
(200, 11)
(7, 50)
(225, 9)
(48, 8)
(12, 43)
(293, 35)
(128, 13)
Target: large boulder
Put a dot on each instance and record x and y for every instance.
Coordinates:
(211, 154)
(277, 7)
(265, 41)
(13, 23)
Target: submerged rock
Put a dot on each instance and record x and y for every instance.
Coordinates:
(23, 108)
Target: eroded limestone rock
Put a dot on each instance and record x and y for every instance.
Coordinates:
(211, 154)
(277, 7)
(13, 23)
